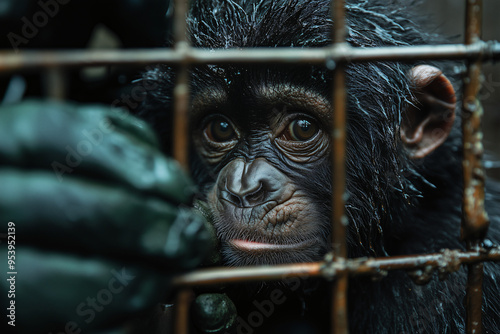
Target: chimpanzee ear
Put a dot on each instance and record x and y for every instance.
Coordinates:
(427, 123)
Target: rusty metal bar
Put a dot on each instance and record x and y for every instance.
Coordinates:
(446, 261)
(181, 118)
(28, 60)
(181, 90)
(183, 300)
(474, 218)
(475, 221)
(180, 138)
(54, 83)
(222, 275)
(339, 321)
(474, 296)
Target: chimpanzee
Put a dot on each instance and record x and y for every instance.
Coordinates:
(261, 156)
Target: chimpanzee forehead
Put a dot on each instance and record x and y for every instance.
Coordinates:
(265, 102)
(286, 98)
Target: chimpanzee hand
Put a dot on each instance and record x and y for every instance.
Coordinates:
(94, 208)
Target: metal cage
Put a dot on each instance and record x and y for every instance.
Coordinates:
(336, 266)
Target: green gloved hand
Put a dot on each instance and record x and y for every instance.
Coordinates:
(95, 211)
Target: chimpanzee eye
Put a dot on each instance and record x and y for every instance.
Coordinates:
(220, 130)
(300, 130)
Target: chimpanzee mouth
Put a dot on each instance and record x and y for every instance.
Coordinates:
(253, 246)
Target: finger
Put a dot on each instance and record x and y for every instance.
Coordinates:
(87, 217)
(89, 141)
(213, 313)
(121, 119)
(62, 293)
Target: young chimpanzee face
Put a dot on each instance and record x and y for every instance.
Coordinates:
(264, 146)
(263, 136)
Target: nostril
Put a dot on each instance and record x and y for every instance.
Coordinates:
(235, 199)
(231, 196)
(248, 198)
(255, 197)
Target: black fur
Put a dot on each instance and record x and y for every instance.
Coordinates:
(396, 205)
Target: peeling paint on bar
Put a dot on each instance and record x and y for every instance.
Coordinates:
(474, 218)
(447, 261)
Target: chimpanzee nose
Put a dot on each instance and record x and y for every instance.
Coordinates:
(247, 184)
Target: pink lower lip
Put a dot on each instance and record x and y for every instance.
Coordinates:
(260, 246)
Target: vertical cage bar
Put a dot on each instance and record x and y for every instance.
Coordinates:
(474, 218)
(181, 90)
(54, 82)
(339, 221)
(183, 300)
(180, 140)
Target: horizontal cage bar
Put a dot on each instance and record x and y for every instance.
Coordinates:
(27, 60)
(330, 269)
